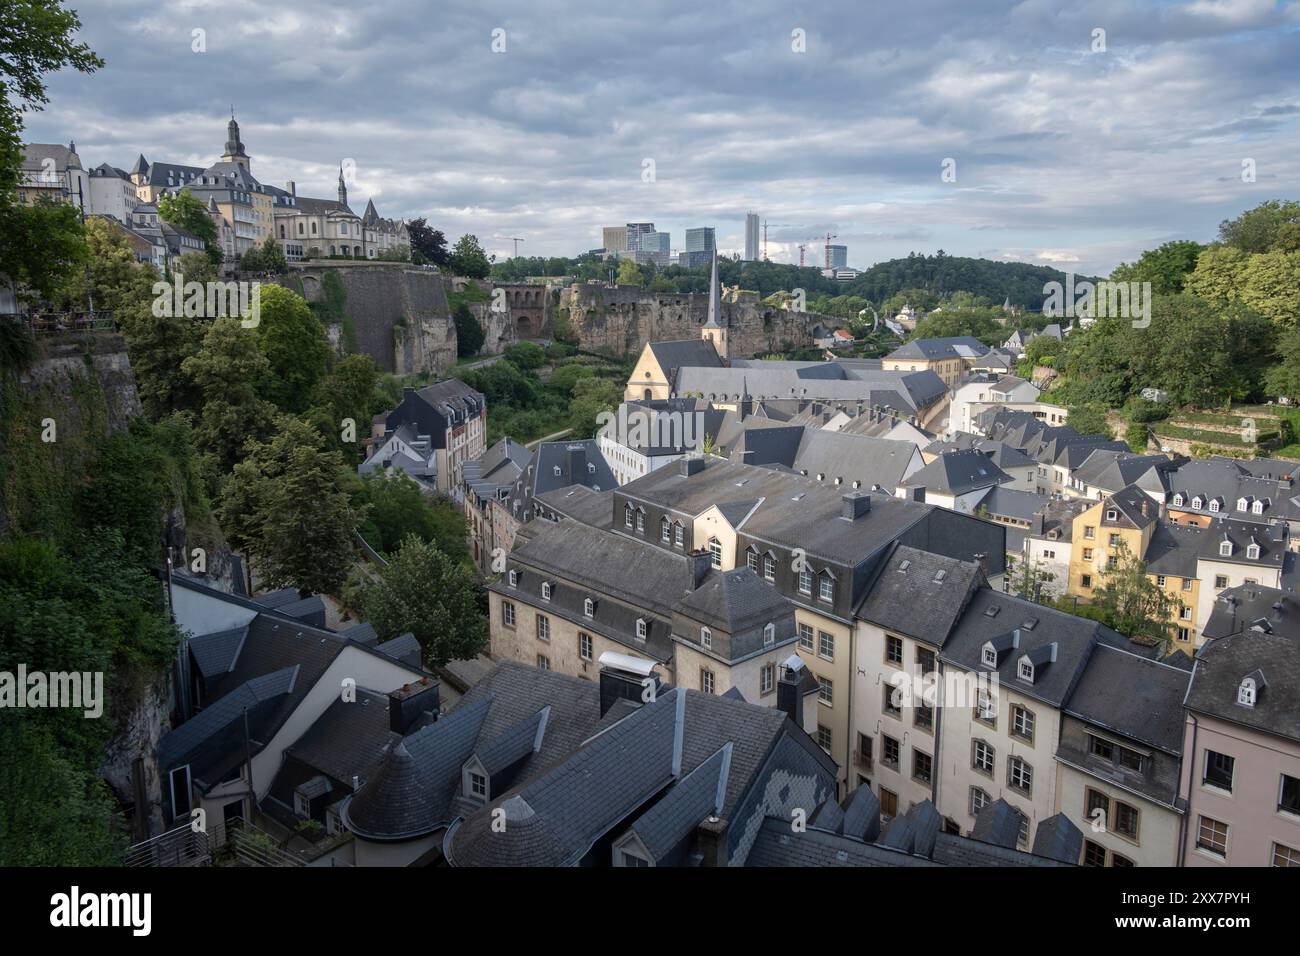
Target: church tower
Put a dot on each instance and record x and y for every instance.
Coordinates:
(715, 330)
(343, 190)
(234, 148)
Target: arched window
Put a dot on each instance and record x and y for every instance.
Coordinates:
(769, 634)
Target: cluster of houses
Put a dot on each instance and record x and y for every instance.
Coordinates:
(245, 211)
(768, 617)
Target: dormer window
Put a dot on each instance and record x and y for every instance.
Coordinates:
(989, 656)
(706, 637)
(1225, 549)
(1198, 502)
(514, 578)
(1026, 670)
(1214, 505)
(679, 534)
(628, 512)
(1242, 504)
(826, 588)
(1178, 500)
(546, 590)
(1257, 508)
(769, 634)
(556, 471)
(478, 786)
(1252, 552)
(1246, 692)
(641, 628)
(1112, 515)
(589, 607)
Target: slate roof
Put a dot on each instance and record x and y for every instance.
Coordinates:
(496, 469)
(915, 390)
(1226, 481)
(216, 653)
(734, 601)
(618, 772)
(579, 463)
(347, 739)
(1173, 549)
(912, 840)
(1006, 502)
(910, 596)
(1141, 699)
(1111, 470)
(404, 648)
(1075, 639)
(941, 348)
(956, 473)
(593, 508)
(1270, 539)
(414, 790)
(1221, 664)
(666, 828)
(872, 462)
(1251, 607)
(675, 355)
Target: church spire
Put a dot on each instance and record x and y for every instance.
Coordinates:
(234, 147)
(343, 189)
(715, 297)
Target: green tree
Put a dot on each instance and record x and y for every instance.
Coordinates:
(1131, 602)
(295, 346)
(225, 370)
(427, 593)
(1261, 228)
(427, 245)
(188, 212)
(1165, 267)
(1283, 379)
(469, 334)
(526, 355)
(1271, 286)
(468, 258)
(283, 505)
(629, 273)
(268, 257)
(38, 244)
(396, 506)
(1218, 273)
(1089, 420)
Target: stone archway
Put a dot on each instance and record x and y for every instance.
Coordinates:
(523, 327)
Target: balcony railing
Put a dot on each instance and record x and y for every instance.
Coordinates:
(45, 323)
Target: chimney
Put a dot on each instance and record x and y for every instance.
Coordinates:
(1036, 523)
(691, 466)
(854, 505)
(790, 690)
(711, 841)
(698, 563)
(623, 677)
(291, 188)
(409, 702)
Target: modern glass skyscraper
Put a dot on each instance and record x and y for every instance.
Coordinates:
(839, 257)
(751, 237)
(700, 240)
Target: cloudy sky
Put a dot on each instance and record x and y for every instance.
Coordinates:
(822, 117)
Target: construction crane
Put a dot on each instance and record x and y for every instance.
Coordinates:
(774, 225)
(829, 237)
(515, 239)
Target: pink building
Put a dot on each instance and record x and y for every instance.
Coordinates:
(1241, 773)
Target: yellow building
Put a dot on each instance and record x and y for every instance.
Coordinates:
(948, 358)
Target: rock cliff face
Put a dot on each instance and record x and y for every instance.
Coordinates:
(62, 368)
(621, 321)
(398, 314)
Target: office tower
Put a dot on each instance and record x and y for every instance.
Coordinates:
(751, 237)
(839, 257)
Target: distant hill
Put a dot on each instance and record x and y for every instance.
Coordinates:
(942, 275)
